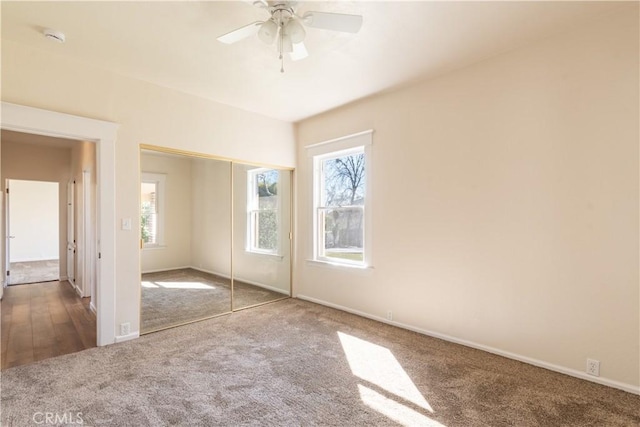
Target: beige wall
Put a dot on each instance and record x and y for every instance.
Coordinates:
(211, 216)
(33, 162)
(505, 203)
(147, 114)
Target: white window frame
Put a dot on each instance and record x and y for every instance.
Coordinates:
(159, 179)
(317, 153)
(252, 206)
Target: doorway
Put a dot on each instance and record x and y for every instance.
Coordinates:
(49, 123)
(33, 230)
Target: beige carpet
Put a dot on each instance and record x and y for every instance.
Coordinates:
(34, 271)
(293, 363)
(176, 297)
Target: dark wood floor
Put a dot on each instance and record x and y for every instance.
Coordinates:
(43, 320)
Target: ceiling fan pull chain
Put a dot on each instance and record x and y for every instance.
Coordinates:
(281, 46)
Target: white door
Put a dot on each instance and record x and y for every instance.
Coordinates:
(87, 237)
(8, 234)
(71, 240)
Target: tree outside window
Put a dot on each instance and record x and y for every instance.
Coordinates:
(340, 213)
(263, 204)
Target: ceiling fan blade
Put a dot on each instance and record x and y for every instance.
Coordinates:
(299, 52)
(240, 33)
(333, 21)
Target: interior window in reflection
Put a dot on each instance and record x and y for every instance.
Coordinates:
(263, 205)
(152, 198)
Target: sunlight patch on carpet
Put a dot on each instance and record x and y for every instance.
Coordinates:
(398, 412)
(397, 397)
(379, 366)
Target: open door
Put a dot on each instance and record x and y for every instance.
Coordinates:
(8, 236)
(88, 257)
(71, 240)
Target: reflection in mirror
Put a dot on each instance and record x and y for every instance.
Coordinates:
(261, 243)
(185, 225)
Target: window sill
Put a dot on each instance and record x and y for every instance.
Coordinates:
(339, 266)
(153, 247)
(265, 255)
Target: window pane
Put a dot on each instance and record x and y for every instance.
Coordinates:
(263, 202)
(267, 230)
(344, 180)
(148, 214)
(267, 186)
(343, 233)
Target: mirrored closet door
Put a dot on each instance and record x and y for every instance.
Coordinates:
(214, 237)
(261, 235)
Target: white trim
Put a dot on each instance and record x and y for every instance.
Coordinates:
(262, 285)
(92, 307)
(630, 388)
(250, 282)
(78, 290)
(154, 247)
(34, 259)
(88, 258)
(131, 336)
(342, 138)
(160, 270)
(339, 265)
(355, 143)
(252, 205)
(160, 181)
(49, 123)
(224, 276)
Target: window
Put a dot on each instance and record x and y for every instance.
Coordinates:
(151, 209)
(263, 203)
(342, 201)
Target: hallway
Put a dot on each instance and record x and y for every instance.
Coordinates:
(44, 320)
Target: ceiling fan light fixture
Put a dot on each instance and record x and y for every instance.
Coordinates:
(295, 30)
(268, 32)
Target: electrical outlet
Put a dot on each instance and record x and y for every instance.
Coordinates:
(125, 329)
(593, 367)
(389, 315)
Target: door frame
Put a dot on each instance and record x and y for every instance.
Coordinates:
(32, 120)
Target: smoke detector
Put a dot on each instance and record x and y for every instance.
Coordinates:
(54, 35)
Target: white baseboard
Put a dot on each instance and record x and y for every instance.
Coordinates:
(78, 291)
(160, 270)
(35, 259)
(630, 388)
(215, 273)
(131, 336)
(240, 279)
(93, 308)
(262, 285)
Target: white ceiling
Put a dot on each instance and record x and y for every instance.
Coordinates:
(173, 44)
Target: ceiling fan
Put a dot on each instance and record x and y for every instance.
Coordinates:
(287, 28)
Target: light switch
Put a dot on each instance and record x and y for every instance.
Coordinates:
(126, 223)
